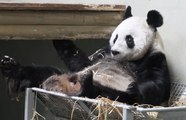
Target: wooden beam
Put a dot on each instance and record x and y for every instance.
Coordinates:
(49, 32)
(45, 6)
(28, 21)
(60, 18)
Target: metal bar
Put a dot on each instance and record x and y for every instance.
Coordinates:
(127, 114)
(29, 104)
(161, 109)
(65, 96)
(127, 109)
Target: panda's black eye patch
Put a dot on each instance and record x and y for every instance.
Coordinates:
(130, 41)
(115, 38)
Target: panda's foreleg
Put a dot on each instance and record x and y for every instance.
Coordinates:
(20, 77)
(89, 90)
(73, 57)
(154, 79)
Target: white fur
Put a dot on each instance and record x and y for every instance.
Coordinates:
(117, 81)
(109, 74)
(158, 44)
(143, 36)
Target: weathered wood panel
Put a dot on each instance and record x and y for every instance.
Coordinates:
(58, 21)
(45, 6)
(60, 18)
(47, 32)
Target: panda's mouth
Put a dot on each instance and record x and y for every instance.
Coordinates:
(127, 57)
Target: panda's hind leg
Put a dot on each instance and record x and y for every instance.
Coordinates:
(8, 68)
(19, 77)
(74, 58)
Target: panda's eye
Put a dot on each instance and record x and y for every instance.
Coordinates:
(115, 38)
(130, 41)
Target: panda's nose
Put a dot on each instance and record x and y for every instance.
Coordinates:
(115, 52)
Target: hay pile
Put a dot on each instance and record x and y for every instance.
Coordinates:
(179, 102)
(105, 108)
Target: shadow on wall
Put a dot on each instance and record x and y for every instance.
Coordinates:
(33, 52)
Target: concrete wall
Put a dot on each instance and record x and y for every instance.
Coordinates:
(173, 31)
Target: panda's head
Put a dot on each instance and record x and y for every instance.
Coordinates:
(133, 37)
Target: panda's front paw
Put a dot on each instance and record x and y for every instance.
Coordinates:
(7, 65)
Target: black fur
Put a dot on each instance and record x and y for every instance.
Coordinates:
(127, 13)
(115, 38)
(130, 41)
(73, 57)
(154, 19)
(19, 77)
(153, 79)
(89, 90)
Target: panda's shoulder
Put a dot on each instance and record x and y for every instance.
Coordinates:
(156, 55)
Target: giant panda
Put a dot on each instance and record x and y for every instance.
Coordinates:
(134, 72)
(131, 69)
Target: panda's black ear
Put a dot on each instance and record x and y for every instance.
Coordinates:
(154, 18)
(127, 13)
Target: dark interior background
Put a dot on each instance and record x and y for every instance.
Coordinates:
(33, 52)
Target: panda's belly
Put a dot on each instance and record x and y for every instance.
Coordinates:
(109, 73)
(112, 78)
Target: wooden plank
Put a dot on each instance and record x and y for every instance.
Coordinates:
(45, 6)
(49, 32)
(28, 21)
(60, 18)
